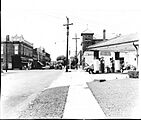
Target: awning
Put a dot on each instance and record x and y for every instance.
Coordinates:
(119, 44)
(24, 58)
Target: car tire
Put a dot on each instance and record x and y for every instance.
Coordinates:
(90, 72)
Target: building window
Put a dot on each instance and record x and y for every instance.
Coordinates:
(1, 60)
(16, 49)
(22, 49)
(1, 49)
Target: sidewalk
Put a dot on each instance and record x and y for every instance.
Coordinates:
(81, 104)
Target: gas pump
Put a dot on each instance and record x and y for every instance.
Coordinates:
(102, 65)
(112, 65)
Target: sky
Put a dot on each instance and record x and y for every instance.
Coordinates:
(41, 21)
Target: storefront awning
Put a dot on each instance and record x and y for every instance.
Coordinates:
(25, 59)
(119, 44)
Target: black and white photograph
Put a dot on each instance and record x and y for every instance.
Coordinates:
(70, 59)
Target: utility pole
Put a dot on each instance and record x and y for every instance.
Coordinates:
(7, 39)
(67, 41)
(76, 48)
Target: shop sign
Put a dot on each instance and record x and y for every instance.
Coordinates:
(88, 54)
(105, 53)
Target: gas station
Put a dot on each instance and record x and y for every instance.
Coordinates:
(122, 49)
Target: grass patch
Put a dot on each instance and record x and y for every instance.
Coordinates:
(49, 104)
(116, 97)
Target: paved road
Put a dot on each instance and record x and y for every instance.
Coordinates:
(21, 86)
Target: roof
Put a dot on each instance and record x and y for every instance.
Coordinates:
(122, 43)
(87, 31)
(20, 39)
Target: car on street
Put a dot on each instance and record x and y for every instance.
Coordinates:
(46, 67)
(89, 68)
(58, 66)
(86, 68)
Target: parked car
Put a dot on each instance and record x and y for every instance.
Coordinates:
(125, 69)
(86, 68)
(58, 66)
(52, 66)
(73, 66)
(89, 69)
(37, 65)
(46, 67)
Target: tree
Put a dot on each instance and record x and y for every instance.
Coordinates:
(61, 59)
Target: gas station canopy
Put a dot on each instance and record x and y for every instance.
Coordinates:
(119, 44)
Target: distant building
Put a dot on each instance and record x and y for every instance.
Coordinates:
(19, 52)
(88, 39)
(10, 52)
(40, 58)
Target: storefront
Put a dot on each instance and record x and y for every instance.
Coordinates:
(21, 62)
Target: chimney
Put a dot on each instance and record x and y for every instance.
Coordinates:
(104, 34)
(7, 38)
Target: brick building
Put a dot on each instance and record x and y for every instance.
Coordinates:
(88, 39)
(10, 52)
(40, 58)
(19, 53)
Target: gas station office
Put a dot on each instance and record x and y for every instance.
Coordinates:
(123, 48)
